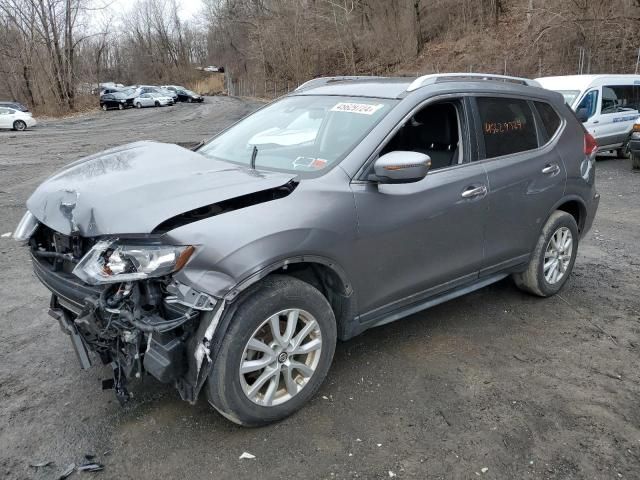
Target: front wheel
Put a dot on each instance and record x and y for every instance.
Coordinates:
(19, 125)
(190, 100)
(120, 106)
(138, 105)
(104, 107)
(553, 257)
(276, 353)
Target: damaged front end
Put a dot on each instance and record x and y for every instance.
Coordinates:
(118, 300)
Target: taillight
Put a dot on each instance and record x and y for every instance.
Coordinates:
(590, 145)
(636, 127)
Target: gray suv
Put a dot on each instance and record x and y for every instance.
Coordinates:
(348, 204)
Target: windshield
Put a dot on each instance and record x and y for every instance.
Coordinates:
(305, 134)
(569, 95)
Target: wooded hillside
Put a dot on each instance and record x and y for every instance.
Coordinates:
(51, 51)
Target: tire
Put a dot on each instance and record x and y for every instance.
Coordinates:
(190, 100)
(623, 152)
(104, 107)
(533, 280)
(120, 106)
(138, 105)
(635, 161)
(19, 125)
(226, 386)
(157, 104)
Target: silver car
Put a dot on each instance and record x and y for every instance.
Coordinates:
(152, 100)
(348, 204)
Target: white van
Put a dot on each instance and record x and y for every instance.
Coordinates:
(608, 105)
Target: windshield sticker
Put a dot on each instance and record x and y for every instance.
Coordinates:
(361, 108)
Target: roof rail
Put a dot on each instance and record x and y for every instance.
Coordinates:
(440, 77)
(318, 82)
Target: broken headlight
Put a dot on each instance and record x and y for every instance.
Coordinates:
(110, 261)
(26, 227)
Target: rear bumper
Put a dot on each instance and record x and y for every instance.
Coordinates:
(592, 208)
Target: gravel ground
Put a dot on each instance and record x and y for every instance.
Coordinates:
(496, 384)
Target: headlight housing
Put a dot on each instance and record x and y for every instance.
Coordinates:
(111, 261)
(26, 228)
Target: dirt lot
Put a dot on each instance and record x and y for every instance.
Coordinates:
(496, 380)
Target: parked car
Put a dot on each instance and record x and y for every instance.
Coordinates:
(120, 100)
(634, 145)
(152, 100)
(607, 105)
(153, 89)
(189, 96)
(173, 88)
(15, 119)
(15, 105)
(236, 267)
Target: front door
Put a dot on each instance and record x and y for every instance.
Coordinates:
(417, 239)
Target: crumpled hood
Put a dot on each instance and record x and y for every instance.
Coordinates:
(134, 188)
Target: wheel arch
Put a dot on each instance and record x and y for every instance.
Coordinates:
(575, 206)
(320, 272)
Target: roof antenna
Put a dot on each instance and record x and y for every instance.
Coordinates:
(254, 154)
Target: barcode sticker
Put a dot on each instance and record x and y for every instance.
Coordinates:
(361, 108)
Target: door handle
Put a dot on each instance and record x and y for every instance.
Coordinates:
(596, 121)
(551, 168)
(474, 191)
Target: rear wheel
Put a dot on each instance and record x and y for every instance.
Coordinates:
(157, 104)
(120, 106)
(104, 107)
(635, 161)
(190, 100)
(19, 125)
(276, 353)
(623, 152)
(553, 257)
(138, 105)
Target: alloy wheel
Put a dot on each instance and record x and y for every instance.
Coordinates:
(19, 125)
(557, 256)
(280, 357)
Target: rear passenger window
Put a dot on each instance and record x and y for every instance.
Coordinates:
(550, 119)
(507, 126)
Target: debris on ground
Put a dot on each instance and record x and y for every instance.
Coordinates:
(484, 470)
(6, 235)
(247, 455)
(391, 474)
(68, 471)
(90, 467)
(41, 464)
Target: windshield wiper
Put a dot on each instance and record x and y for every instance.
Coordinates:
(254, 154)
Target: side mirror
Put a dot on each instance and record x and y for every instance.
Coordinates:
(402, 167)
(583, 114)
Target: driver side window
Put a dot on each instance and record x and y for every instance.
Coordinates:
(434, 130)
(589, 102)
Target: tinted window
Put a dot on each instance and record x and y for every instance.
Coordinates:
(550, 119)
(507, 126)
(620, 98)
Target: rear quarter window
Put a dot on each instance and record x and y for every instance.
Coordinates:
(550, 119)
(508, 126)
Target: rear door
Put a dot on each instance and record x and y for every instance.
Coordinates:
(526, 177)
